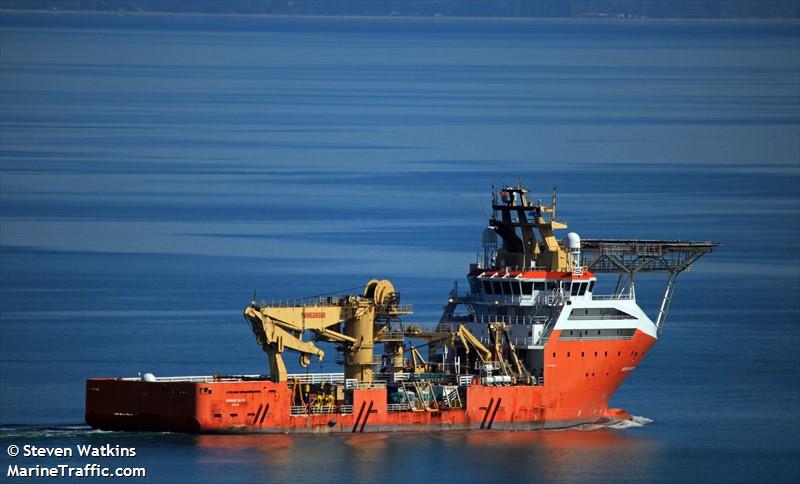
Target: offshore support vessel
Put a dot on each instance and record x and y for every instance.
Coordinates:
(530, 345)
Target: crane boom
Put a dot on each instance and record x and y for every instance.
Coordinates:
(468, 339)
(351, 321)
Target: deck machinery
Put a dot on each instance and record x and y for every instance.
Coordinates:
(528, 346)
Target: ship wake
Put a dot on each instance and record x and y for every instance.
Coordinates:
(32, 431)
(634, 422)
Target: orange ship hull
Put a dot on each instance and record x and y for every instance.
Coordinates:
(579, 378)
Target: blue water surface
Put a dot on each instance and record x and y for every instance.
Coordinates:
(156, 170)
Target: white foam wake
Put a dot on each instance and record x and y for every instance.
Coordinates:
(635, 421)
(30, 431)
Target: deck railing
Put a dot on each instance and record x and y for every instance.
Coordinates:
(333, 378)
(304, 410)
(608, 297)
(390, 336)
(354, 384)
(200, 379)
(486, 319)
(325, 301)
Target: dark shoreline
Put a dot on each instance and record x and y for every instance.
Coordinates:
(390, 18)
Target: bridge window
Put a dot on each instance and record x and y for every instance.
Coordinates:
(514, 288)
(487, 287)
(526, 288)
(575, 288)
(551, 286)
(591, 286)
(496, 287)
(538, 286)
(599, 313)
(605, 334)
(582, 290)
(506, 288)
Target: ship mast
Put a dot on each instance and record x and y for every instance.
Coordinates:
(516, 220)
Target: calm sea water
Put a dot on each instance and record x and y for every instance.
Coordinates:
(155, 171)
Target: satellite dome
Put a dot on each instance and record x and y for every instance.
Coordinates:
(573, 241)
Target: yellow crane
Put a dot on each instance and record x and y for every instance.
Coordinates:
(356, 322)
(352, 321)
(499, 334)
(468, 339)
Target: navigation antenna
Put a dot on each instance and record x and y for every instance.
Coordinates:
(553, 202)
